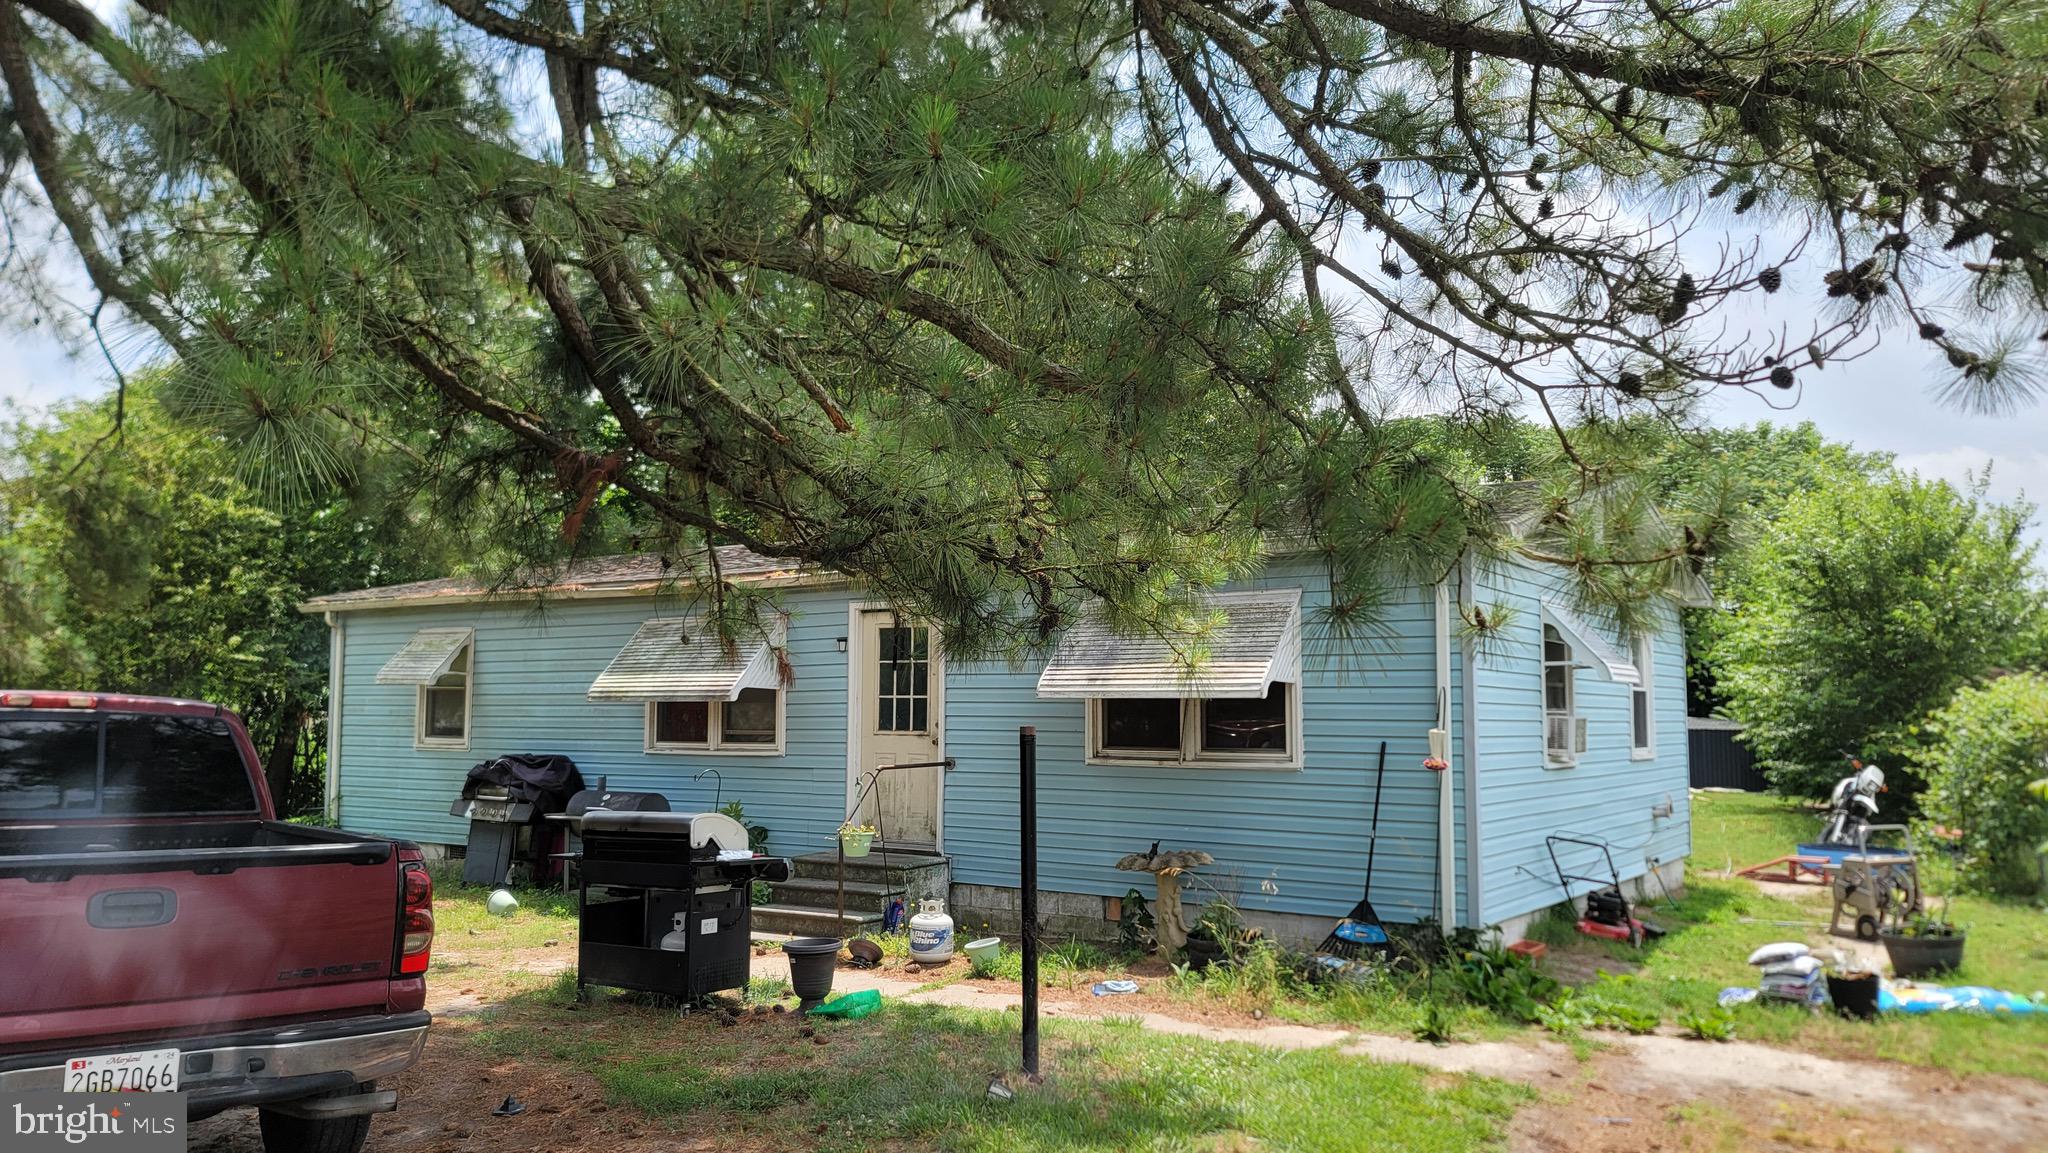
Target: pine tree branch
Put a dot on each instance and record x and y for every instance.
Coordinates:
(888, 291)
(39, 136)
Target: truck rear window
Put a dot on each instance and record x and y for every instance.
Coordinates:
(120, 765)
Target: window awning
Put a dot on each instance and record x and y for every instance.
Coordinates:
(681, 659)
(1588, 645)
(425, 658)
(1257, 642)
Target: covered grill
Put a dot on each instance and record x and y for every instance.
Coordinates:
(646, 874)
(505, 800)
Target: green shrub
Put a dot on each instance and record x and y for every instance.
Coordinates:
(1506, 982)
(1991, 744)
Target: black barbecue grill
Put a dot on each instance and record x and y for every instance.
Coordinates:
(506, 800)
(639, 872)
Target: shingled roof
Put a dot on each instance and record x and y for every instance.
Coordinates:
(623, 574)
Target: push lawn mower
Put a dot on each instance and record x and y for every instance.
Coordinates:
(1607, 909)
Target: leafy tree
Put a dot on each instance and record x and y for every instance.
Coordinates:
(1863, 608)
(149, 570)
(1743, 476)
(1990, 745)
(952, 298)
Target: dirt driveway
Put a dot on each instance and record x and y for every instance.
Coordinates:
(1627, 1096)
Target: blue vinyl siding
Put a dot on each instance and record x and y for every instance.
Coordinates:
(1607, 794)
(532, 668)
(1284, 840)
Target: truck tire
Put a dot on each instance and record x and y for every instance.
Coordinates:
(285, 1134)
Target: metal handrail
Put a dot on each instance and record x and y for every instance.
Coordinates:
(861, 792)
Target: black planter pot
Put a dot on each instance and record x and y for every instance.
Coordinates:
(811, 964)
(1923, 956)
(1854, 996)
(1203, 952)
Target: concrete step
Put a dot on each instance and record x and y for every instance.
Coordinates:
(823, 893)
(825, 866)
(806, 921)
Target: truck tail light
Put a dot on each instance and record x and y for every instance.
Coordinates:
(415, 913)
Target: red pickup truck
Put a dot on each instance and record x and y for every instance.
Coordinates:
(161, 930)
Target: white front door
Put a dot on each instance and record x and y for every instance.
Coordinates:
(898, 682)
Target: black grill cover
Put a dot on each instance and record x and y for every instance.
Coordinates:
(543, 780)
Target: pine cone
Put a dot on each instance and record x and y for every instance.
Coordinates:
(1545, 207)
(1369, 171)
(1965, 233)
(1624, 102)
(1746, 201)
(1672, 313)
(1630, 383)
(1391, 268)
(1770, 279)
(1896, 242)
(1781, 377)
(1534, 181)
(1932, 331)
(1686, 290)
(1471, 182)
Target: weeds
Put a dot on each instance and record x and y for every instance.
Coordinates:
(1710, 1025)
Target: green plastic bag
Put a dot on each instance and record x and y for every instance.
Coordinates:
(852, 1006)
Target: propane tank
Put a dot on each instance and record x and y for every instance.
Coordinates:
(931, 934)
(675, 939)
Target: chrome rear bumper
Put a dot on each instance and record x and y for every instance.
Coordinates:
(257, 1065)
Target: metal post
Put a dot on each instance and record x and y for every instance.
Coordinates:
(1027, 857)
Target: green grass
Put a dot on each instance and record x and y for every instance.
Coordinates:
(916, 1076)
(1720, 921)
(1736, 830)
(462, 923)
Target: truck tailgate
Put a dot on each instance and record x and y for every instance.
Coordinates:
(194, 937)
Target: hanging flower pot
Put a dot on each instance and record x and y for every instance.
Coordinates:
(1436, 765)
(855, 840)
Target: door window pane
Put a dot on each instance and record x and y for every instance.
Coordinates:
(1150, 724)
(750, 720)
(1233, 724)
(903, 683)
(682, 723)
(1640, 715)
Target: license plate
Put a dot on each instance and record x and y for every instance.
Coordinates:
(155, 1071)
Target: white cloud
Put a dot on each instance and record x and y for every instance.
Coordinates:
(2013, 475)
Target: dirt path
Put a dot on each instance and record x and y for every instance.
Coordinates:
(1631, 1095)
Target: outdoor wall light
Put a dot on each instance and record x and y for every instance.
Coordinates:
(842, 644)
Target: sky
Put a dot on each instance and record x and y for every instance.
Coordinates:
(1879, 402)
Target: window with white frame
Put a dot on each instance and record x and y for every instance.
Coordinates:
(750, 723)
(1642, 716)
(1214, 731)
(443, 706)
(1560, 719)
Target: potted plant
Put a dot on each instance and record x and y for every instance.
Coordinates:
(1928, 943)
(1214, 932)
(855, 839)
(1852, 988)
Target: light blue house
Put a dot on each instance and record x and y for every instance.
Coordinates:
(1264, 758)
